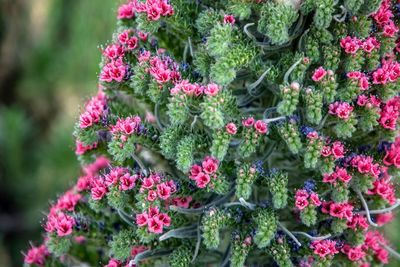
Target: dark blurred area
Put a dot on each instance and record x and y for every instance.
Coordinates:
(48, 65)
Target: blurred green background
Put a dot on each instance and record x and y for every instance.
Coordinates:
(48, 67)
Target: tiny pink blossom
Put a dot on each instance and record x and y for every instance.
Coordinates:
(212, 89)
(260, 126)
(319, 74)
(229, 19)
(231, 128)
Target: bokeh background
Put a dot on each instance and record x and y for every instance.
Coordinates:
(48, 66)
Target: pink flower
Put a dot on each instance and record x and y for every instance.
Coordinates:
(210, 165)
(350, 45)
(326, 151)
(37, 255)
(126, 11)
(338, 149)
(113, 263)
(212, 89)
(261, 127)
(82, 149)
(342, 110)
(151, 195)
(342, 175)
(113, 71)
(202, 180)
(132, 43)
(165, 219)
(302, 194)
(229, 19)
(163, 191)
(127, 181)
(370, 44)
(123, 37)
(248, 122)
(363, 83)
(86, 120)
(382, 255)
(64, 224)
(98, 190)
(183, 201)
(136, 250)
(141, 219)
(68, 201)
(354, 75)
(147, 183)
(155, 225)
(231, 128)
(319, 74)
(323, 248)
(380, 76)
(315, 200)
(353, 253)
(390, 29)
(194, 171)
(362, 100)
(114, 51)
(301, 203)
(142, 36)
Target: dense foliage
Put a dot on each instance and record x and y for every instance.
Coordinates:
(237, 132)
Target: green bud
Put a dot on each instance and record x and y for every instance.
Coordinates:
(239, 8)
(290, 99)
(345, 128)
(220, 144)
(220, 39)
(313, 152)
(308, 215)
(169, 141)
(116, 198)
(240, 249)
(314, 103)
(211, 224)
(338, 226)
(58, 245)
(178, 109)
(184, 153)
(340, 193)
(323, 13)
(353, 5)
(290, 135)
(266, 226)
(280, 252)
(275, 21)
(121, 244)
(206, 21)
(246, 175)
(278, 186)
(139, 80)
(181, 257)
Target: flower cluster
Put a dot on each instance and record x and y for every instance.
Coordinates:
(202, 174)
(154, 9)
(154, 220)
(324, 248)
(246, 128)
(392, 156)
(303, 199)
(390, 114)
(338, 210)
(37, 255)
(94, 110)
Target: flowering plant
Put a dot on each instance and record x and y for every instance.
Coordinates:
(215, 142)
